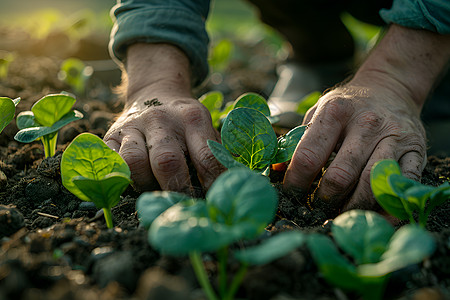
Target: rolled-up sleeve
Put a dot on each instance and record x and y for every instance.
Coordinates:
(432, 15)
(178, 22)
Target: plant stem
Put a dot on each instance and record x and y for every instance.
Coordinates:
(108, 217)
(223, 259)
(237, 280)
(202, 277)
(49, 142)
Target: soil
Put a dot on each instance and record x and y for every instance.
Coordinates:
(55, 246)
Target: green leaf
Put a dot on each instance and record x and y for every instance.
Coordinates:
(151, 204)
(75, 73)
(250, 138)
(184, 228)
(255, 101)
(105, 192)
(212, 101)
(220, 55)
(307, 102)
(244, 199)
(409, 245)
(51, 108)
(26, 119)
(383, 191)
(30, 134)
(223, 155)
(7, 111)
(88, 156)
(439, 196)
(287, 144)
(271, 248)
(362, 234)
(336, 269)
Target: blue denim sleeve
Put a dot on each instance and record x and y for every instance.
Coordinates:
(433, 15)
(178, 22)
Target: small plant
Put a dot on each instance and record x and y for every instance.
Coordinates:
(376, 249)
(307, 102)
(75, 73)
(46, 117)
(220, 55)
(7, 111)
(401, 196)
(6, 58)
(239, 205)
(248, 138)
(213, 101)
(93, 172)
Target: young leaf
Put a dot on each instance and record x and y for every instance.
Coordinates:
(184, 228)
(287, 144)
(223, 155)
(7, 111)
(151, 204)
(409, 245)
(250, 138)
(272, 248)
(213, 102)
(28, 135)
(382, 190)
(255, 101)
(307, 102)
(51, 108)
(104, 192)
(336, 269)
(362, 234)
(241, 197)
(88, 156)
(26, 119)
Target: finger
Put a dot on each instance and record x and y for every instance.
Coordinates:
(134, 151)
(412, 164)
(317, 144)
(113, 145)
(113, 139)
(198, 130)
(362, 197)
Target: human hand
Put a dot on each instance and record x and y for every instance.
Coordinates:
(160, 137)
(362, 124)
(163, 130)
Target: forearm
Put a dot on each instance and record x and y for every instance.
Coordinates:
(407, 61)
(159, 70)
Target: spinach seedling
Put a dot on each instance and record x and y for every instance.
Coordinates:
(307, 102)
(93, 172)
(401, 196)
(376, 249)
(75, 73)
(239, 205)
(6, 58)
(7, 111)
(248, 138)
(213, 101)
(44, 120)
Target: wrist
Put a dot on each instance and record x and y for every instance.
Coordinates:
(406, 61)
(157, 70)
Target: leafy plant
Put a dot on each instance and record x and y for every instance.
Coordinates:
(401, 196)
(93, 172)
(46, 117)
(376, 249)
(75, 73)
(6, 58)
(213, 101)
(239, 205)
(7, 111)
(248, 138)
(307, 102)
(220, 55)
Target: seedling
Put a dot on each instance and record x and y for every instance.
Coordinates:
(307, 102)
(7, 111)
(93, 172)
(376, 249)
(6, 58)
(239, 205)
(213, 101)
(248, 138)
(220, 55)
(46, 117)
(75, 73)
(401, 196)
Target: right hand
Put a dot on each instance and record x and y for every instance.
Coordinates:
(157, 136)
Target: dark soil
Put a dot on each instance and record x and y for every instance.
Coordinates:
(54, 246)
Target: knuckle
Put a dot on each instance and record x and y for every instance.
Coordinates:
(337, 108)
(207, 161)
(306, 159)
(136, 158)
(339, 179)
(370, 121)
(167, 161)
(196, 115)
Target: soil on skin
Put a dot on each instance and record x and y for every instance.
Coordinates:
(54, 246)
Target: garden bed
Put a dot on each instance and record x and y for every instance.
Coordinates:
(55, 246)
